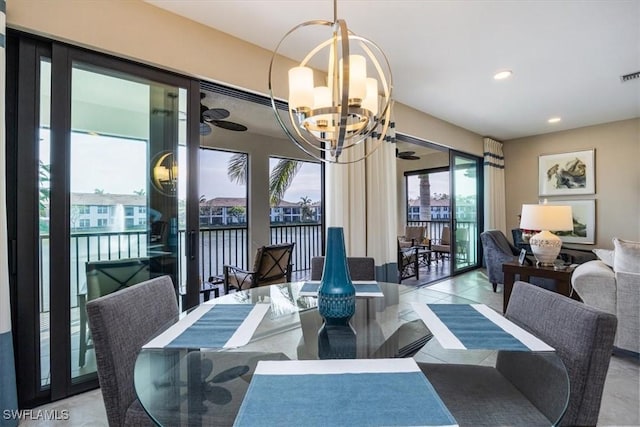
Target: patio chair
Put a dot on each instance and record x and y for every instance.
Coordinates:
(272, 265)
(442, 246)
(412, 236)
(408, 263)
(121, 323)
(360, 268)
(103, 278)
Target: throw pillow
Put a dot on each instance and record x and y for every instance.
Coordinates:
(627, 257)
(605, 255)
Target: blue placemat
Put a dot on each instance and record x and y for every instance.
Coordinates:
(214, 328)
(342, 399)
(473, 329)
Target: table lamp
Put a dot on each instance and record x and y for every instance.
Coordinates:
(546, 245)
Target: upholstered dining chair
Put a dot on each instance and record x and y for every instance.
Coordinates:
(360, 268)
(583, 339)
(272, 264)
(121, 323)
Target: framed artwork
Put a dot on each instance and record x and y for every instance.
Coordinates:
(522, 257)
(584, 221)
(566, 173)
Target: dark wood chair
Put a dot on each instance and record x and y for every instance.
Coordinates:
(360, 268)
(408, 263)
(272, 265)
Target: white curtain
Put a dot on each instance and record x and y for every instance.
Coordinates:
(361, 198)
(494, 197)
(8, 394)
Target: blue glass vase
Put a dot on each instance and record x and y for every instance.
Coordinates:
(336, 295)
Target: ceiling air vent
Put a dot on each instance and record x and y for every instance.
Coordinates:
(630, 76)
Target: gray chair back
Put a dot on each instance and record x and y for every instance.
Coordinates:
(121, 323)
(360, 268)
(497, 250)
(583, 338)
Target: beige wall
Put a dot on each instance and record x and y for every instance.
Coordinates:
(136, 30)
(617, 169)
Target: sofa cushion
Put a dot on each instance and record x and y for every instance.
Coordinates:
(605, 255)
(627, 256)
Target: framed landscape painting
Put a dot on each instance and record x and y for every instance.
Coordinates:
(584, 221)
(566, 173)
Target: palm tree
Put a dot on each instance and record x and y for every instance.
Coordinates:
(425, 198)
(305, 208)
(279, 181)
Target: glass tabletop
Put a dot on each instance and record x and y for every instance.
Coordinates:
(193, 386)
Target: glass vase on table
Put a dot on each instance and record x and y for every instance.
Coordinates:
(336, 295)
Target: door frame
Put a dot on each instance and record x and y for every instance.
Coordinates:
(474, 239)
(24, 53)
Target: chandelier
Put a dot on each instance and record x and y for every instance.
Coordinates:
(331, 119)
(164, 173)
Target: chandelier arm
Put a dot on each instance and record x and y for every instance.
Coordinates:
(344, 102)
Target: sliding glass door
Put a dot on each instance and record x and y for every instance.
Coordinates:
(99, 207)
(466, 208)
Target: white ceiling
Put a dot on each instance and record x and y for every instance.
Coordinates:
(567, 56)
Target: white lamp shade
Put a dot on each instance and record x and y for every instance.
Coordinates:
(357, 76)
(300, 87)
(321, 97)
(370, 102)
(546, 217)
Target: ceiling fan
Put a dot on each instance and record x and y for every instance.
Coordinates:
(215, 117)
(406, 155)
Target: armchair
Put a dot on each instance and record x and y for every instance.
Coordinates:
(497, 250)
(272, 265)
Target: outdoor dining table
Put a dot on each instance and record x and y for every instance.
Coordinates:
(187, 383)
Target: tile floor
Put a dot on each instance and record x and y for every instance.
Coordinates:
(620, 402)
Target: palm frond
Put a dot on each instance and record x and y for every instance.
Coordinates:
(237, 168)
(281, 178)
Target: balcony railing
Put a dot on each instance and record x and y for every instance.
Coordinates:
(218, 246)
(434, 231)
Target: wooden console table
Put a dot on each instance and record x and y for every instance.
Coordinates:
(510, 269)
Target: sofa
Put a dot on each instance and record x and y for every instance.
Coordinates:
(612, 284)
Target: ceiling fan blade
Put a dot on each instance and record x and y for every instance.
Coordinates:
(205, 129)
(236, 127)
(215, 114)
(409, 157)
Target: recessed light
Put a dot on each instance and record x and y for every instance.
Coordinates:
(554, 120)
(501, 75)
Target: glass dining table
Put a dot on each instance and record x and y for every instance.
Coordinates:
(187, 385)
